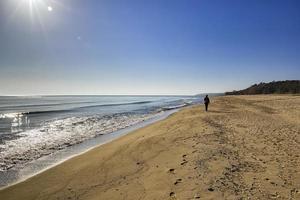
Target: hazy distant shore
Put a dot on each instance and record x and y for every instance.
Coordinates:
(245, 146)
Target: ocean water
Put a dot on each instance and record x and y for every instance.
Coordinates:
(35, 127)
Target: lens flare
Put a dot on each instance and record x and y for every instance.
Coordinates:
(37, 13)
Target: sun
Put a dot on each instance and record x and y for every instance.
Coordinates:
(50, 8)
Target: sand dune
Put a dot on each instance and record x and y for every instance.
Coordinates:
(245, 146)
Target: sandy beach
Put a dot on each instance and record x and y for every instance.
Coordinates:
(245, 147)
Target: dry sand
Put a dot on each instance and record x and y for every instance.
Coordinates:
(245, 147)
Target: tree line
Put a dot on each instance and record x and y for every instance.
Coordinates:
(274, 87)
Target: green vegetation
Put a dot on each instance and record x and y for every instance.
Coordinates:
(275, 87)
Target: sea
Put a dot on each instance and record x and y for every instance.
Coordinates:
(37, 132)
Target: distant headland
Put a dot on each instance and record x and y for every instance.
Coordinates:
(274, 87)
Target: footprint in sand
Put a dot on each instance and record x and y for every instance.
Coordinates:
(184, 161)
(172, 194)
(179, 180)
(171, 170)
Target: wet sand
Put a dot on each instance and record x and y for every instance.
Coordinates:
(245, 146)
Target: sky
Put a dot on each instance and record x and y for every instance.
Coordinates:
(146, 46)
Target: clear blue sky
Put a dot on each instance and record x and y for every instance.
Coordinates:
(146, 46)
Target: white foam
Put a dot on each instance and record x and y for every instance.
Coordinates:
(11, 115)
(59, 134)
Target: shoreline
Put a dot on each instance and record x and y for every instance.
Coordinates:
(245, 146)
(47, 162)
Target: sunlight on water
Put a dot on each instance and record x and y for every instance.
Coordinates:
(31, 128)
(11, 115)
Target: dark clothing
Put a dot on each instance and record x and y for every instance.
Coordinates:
(206, 106)
(206, 102)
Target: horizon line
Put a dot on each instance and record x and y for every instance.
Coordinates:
(44, 95)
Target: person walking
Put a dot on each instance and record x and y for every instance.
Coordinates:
(206, 102)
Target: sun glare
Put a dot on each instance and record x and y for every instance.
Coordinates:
(36, 6)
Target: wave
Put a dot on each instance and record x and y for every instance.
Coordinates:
(107, 105)
(60, 134)
(175, 107)
(46, 111)
(116, 104)
(36, 112)
(45, 105)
